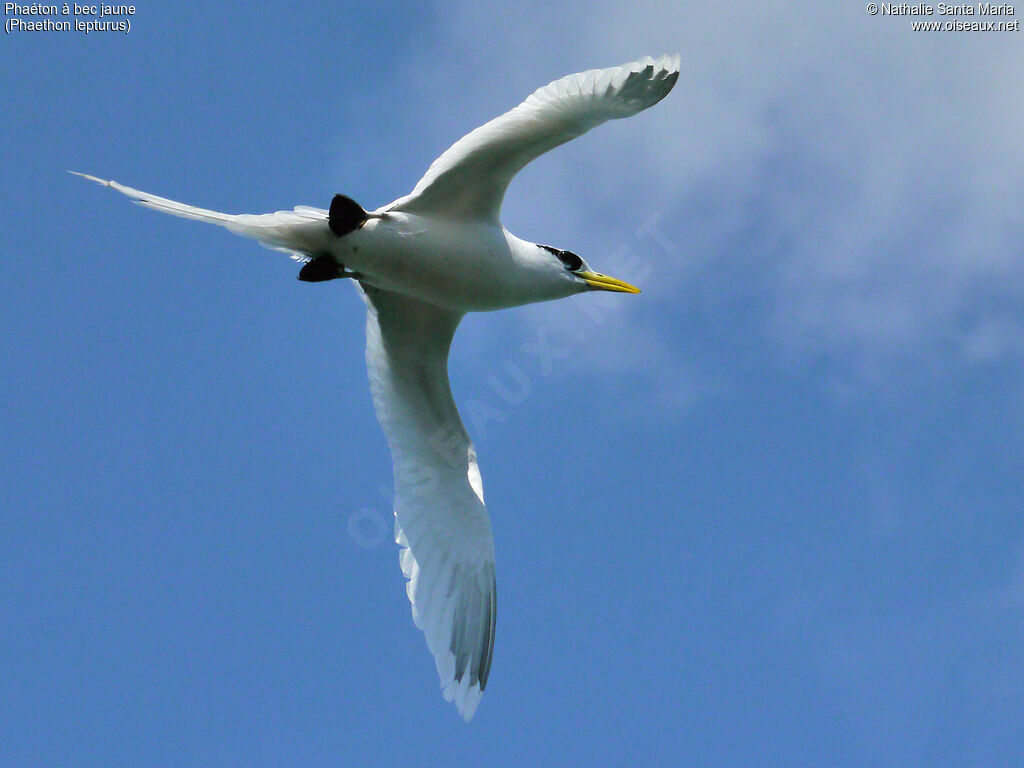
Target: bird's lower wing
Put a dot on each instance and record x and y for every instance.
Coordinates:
(471, 177)
(441, 522)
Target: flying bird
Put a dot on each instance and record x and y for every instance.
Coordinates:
(420, 264)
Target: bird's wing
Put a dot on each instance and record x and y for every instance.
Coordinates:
(441, 522)
(470, 178)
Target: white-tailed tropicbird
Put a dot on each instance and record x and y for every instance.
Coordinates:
(420, 264)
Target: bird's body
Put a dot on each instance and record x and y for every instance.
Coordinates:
(468, 266)
(421, 263)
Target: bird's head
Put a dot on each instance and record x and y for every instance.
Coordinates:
(581, 277)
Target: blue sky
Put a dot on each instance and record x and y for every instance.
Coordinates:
(766, 513)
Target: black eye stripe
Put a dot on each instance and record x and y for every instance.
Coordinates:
(570, 259)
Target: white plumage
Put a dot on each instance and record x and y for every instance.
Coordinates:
(421, 263)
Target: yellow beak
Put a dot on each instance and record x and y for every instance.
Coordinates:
(600, 282)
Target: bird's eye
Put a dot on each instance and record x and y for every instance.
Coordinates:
(570, 259)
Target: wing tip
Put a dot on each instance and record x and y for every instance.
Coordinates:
(670, 62)
(667, 62)
(465, 695)
(463, 673)
(469, 702)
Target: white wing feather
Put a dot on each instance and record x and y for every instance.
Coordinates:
(440, 519)
(470, 178)
(441, 522)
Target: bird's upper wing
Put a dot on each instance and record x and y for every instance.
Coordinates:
(470, 178)
(441, 521)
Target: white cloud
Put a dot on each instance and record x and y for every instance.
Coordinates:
(860, 182)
